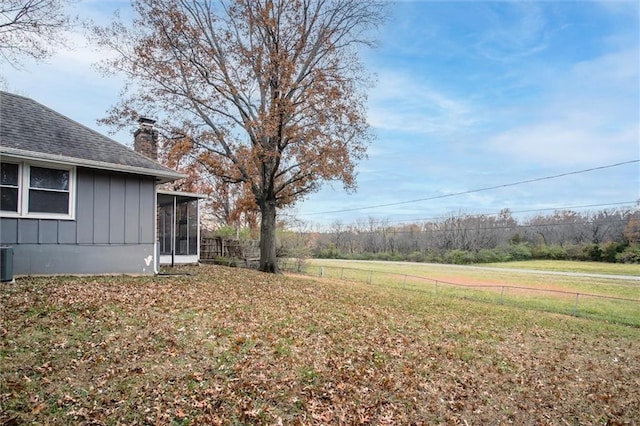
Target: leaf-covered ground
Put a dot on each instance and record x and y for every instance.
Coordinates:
(230, 346)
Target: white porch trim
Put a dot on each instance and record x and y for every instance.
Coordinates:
(165, 259)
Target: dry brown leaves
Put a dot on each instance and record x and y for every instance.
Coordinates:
(229, 346)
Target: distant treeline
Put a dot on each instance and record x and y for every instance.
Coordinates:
(607, 236)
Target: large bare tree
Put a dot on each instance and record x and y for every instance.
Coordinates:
(31, 28)
(266, 93)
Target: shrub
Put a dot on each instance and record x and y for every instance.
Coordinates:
(490, 256)
(552, 252)
(575, 252)
(383, 255)
(394, 257)
(330, 252)
(365, 255)
(593, 252)
(629, 255)
(226, 261)
(459, 257)
(611, 250)
(225, 231)
(416, 256)
(520, 251)
(434, 256)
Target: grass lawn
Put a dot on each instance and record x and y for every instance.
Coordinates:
(231, 346)
(606, 286)
(473, 270)
(605, 297)
(572, 266)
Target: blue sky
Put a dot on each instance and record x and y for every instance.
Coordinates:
(469, 95)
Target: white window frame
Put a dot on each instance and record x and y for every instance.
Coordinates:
(24, 180)
(8, 213)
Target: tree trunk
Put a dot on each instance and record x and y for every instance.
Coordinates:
(268, 261)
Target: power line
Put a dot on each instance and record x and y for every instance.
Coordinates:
(471, 191)
(418, 221)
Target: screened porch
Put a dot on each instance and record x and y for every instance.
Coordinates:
(178, 227)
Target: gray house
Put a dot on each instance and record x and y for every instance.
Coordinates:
(73, 201)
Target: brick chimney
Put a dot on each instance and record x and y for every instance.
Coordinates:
(145, 139)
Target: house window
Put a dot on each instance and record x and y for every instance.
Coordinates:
(38, 191)
(48, 190)
(9, 187)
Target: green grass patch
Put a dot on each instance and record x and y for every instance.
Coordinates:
(597, 297)
(540, 265)
(572, 266)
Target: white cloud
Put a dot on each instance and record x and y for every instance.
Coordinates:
(81, 55)
(566, 143)
(409, 104)
(519, 30)
(588, 116)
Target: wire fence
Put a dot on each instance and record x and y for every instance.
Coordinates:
(606, 308)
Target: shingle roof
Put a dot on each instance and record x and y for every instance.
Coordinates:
(32, 129)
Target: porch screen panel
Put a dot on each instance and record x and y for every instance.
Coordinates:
(165, 219)
(182, 234)
(187, 228)
(193, 227)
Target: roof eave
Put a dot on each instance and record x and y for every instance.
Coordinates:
(182, 193)
(162, 176)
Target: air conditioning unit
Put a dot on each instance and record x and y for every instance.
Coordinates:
(6, 264)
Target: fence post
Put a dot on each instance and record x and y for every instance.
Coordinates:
(575, 307)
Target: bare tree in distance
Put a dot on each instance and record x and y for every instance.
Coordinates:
(31, 29)
(270, 94)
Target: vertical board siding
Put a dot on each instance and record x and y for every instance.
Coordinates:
(101, 209)
(8, 230)
(84, 207)
(147, 212)
(132, 216)
(116, 209)
(67, 232)
(47, 231)
(28, 231)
